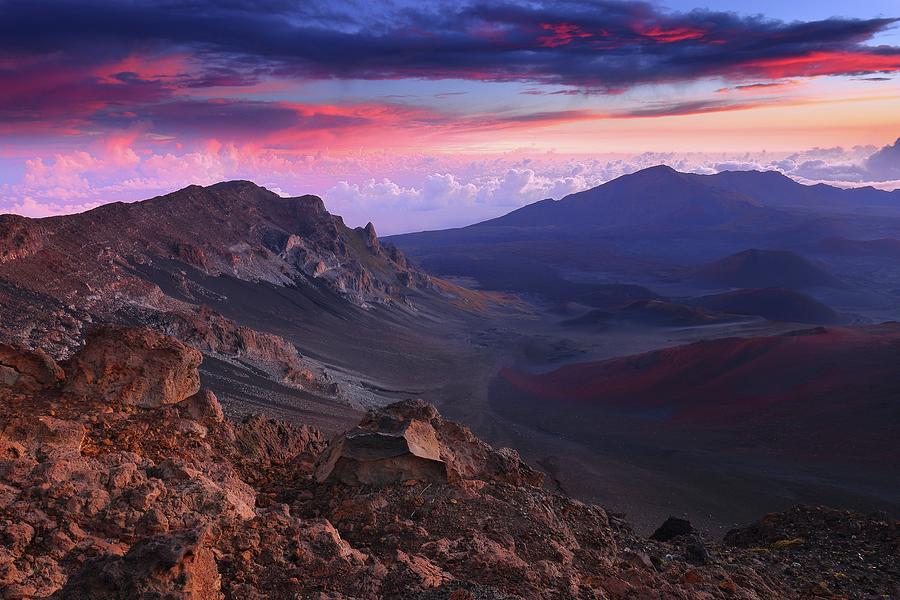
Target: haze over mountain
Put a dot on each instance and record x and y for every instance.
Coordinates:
(652, 198)
(667, 199)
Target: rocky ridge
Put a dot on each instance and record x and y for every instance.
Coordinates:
(150, 263)
(233, 228)
(121, 478)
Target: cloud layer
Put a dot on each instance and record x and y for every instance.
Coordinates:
(398, 192)
(599, 44)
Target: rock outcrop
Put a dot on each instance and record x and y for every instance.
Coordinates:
(395, 452)
(29, 369)
(212, 333)
(136, 367)
(204, 407)
(409, 440)
(171, 566)
(112, 483)
(106, 494)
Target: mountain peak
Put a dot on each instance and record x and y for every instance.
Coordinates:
(661, 168)
(235, 184)
(229, 199)
(235, 229)
(656, 172)
(658, 196)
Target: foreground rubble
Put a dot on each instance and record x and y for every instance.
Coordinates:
(120, 478)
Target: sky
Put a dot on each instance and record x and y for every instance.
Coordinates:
(431, 114)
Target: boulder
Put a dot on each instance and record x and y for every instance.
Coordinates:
(177, 566)
(215, 492)
(28, 369)
(204, 407)
(45, 436)
(467, 456)
(382, 452)
(134, 366)
(409, 440)
(266, 442)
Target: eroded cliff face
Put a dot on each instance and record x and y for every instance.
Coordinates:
(121, 478)
(234, 228)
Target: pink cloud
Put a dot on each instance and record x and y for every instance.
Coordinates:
(817, 64)
(669, 35)
(561, 34)
(144, 67)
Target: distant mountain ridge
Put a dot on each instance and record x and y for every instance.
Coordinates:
(774, 189)
(662, 194)
(658, 226)
(655, 196)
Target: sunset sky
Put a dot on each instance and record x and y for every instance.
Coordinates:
(430, 114)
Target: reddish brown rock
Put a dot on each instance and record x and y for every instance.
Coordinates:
(44, 436)
(383, 451)
(171, 566)
(134, 366)
(204, 407)
(192, 255)
(28, 369)
(410, 440)
(418, 572)
(265, 442)
(100, 500)
(19, 237)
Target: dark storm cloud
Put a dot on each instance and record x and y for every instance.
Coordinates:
(597, 45)
(35, 89)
